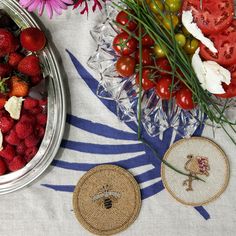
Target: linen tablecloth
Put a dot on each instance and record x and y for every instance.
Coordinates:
(94, 135)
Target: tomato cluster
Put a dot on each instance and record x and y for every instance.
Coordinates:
(156, 70)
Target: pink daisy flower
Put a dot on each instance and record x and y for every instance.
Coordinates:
(51, 6)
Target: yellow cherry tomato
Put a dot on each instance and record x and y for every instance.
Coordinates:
(160, 51)
(170, 20)
(172, 5)
(180, 39)
(191, 46)
(156, 6)
(185, 31)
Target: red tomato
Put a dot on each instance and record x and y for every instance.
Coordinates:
(184, 99)
(125, 66)
(124, 44)
(32, 39)
(225, 43)
(148, 79)
(230, 91)
(146, 39)
(126, 20)
(163, 88)
(163, 66)
(146, 56)
(214, 16)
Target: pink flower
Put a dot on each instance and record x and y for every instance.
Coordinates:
(51, 6)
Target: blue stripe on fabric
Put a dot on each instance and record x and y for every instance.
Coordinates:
(152, 190)
(126, 164)
(61, 188)
(149, 175)
(101, 148)
(203, 212)
(100, 129)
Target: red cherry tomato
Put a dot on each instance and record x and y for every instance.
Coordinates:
(148, 79)
(163, 88)
(32, 39)
(146, 39)
(124, 44)
(213, 16)
(126, 20)
(125, 66)
(147, 54)
(225, 43)
(163, 66)
(184, 99)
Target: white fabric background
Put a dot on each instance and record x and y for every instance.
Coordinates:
(36, 210)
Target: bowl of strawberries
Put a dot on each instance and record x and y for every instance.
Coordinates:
(32, 99)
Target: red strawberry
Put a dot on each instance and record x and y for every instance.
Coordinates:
(40, 131)
(36, 79)
(8, 152)
(30, 153)
(21, 148)
(14, 59)
(5, 70)
(8, 42)
(23, 129)
(3, 167)
(28, 118)
(41, 119)
(43, 102)
(31, 141)
(30, 103)
(6, 124)
(12, 138)
(3, 101)
(30, 66)
(17, 163)
(36, 110)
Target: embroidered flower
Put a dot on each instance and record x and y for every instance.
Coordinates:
(84, 3)
(51, 6)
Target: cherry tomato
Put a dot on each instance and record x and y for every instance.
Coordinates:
(213, 16)
(146, 39)
(156, 6)
(124, 44)
(225, 43)
(160, 52)
(125, 66)
(32, 39)
(126, 20)
(180, 39)
(148, 79)
(147, 59)
(171, 20)
(163, 66)
(184, 99)
(172, 5)
(191, 46)
(163, 88)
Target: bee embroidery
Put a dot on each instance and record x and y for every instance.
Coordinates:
(196, 166)
(106, 196)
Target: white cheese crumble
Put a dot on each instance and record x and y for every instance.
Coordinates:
(210, 74)
(13, 106)
(187, 20)
(1, 140)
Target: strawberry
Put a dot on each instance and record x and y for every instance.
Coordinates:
(3, 100)
(6, 123)
(19, 87)
(12, 138)
(17, 163)
(8, 42)
(23, 129)
(31, 141)
(30, 66)
(30, 153)
(40, 131)
(8, 152)
(41, 119)
(36, 79)
(5, 70)
(30, 103)
(28, 118)
(3, 167)
(14, 59)
(36, 110)
(43, 102)
(21, 149)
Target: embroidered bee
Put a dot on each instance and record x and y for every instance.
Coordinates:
(196, 166)
(106, 196)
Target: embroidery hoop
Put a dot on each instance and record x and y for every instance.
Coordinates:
(213, 198)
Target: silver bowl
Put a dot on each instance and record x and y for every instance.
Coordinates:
(56, 108)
